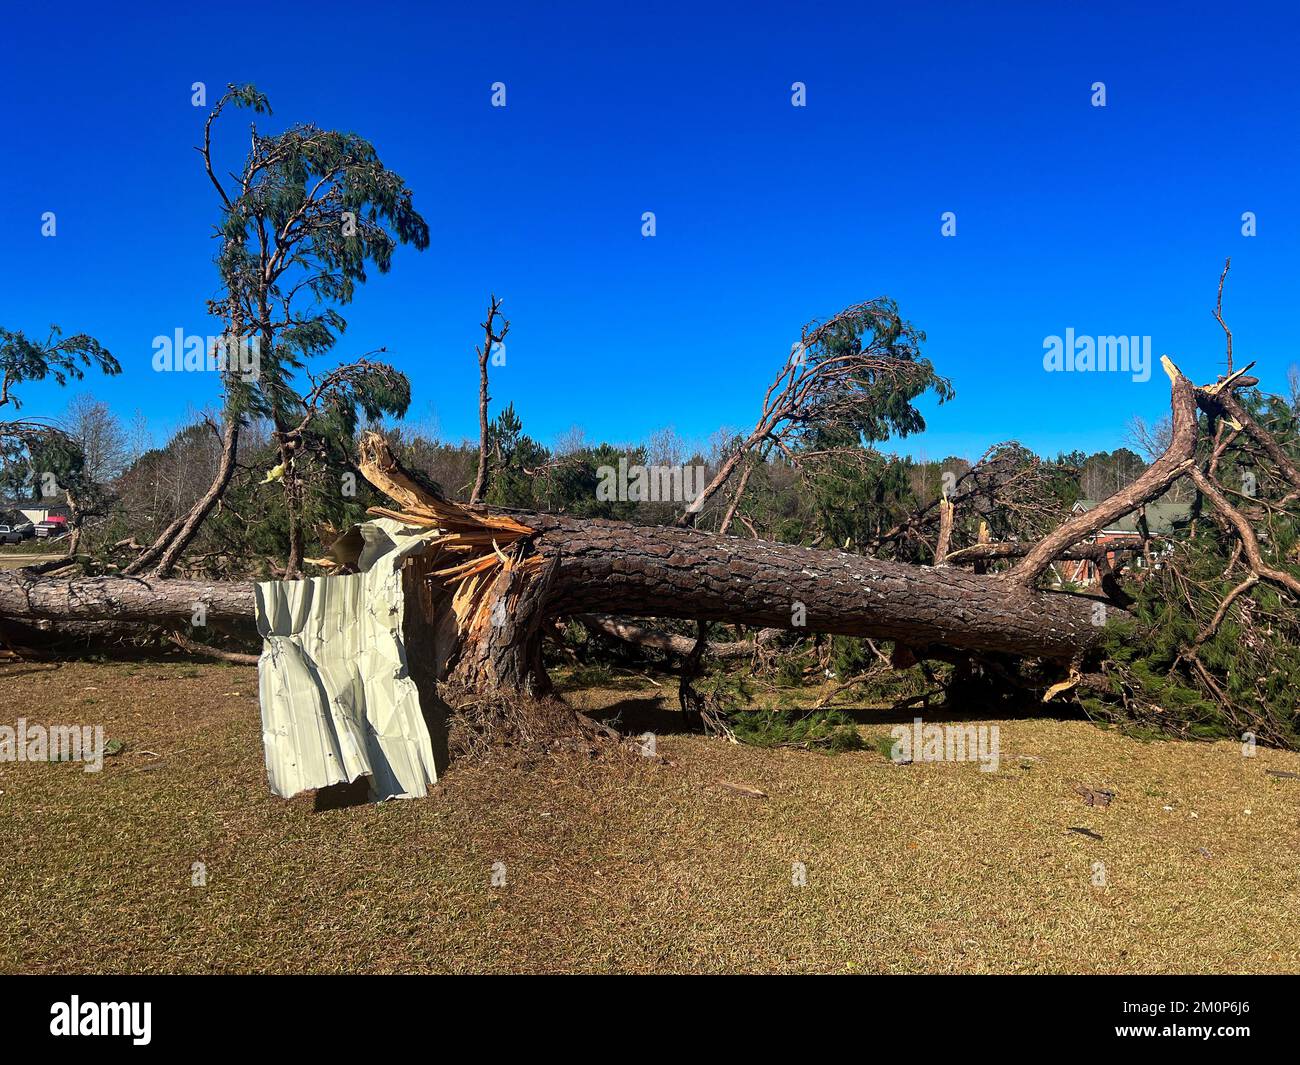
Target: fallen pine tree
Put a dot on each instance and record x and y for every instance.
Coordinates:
(546, 565)
(490, 580)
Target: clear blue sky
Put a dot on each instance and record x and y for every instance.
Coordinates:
(1110, 220)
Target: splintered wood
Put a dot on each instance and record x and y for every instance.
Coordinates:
(478, 549)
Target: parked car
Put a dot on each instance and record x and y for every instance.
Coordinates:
(51, 528)
(10, 536)
(27, 529)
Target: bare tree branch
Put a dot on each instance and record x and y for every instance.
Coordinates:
(490, 337)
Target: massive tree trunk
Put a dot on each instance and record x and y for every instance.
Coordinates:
(489, 579)
(595, 567)
(656, 571)
(505, 572)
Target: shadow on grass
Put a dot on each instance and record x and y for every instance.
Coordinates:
(342, 796)
(634, 716)
(962, 713)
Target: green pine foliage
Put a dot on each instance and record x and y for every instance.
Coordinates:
(62, 358)
(1242, 678)
(831, 731)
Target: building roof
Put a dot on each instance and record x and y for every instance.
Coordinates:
(1161, 517)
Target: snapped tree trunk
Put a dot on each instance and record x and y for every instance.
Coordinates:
(490, 632)
(487, 582)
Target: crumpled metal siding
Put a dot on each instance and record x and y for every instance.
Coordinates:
(338, 701)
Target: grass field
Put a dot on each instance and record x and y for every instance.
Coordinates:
(17, 559)
(632, 864)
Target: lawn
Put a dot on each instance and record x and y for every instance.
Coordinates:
(625, 863)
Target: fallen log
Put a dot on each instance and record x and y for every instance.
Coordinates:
(489, 580)
(152, 600)
(664, 571)
(606, 567)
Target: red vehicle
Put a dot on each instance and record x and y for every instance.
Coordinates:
(52, 527)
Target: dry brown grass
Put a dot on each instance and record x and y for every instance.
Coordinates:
(631, 864)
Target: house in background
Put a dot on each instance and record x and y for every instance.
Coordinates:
(1161, 520)
(56, 506)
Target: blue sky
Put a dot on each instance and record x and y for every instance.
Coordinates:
(1111, 220)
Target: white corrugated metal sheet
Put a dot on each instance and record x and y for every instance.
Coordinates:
(337, 698)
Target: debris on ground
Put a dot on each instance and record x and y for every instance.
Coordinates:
(1095, 796)
(744, 789)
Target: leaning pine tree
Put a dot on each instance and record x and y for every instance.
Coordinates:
(304, 218)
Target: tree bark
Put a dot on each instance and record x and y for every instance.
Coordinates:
(1173, 464)
(166, 550)
(506, 653)
(490, 337)
(291, 488)
(662, 571)
(25, 595)
(596, 567)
